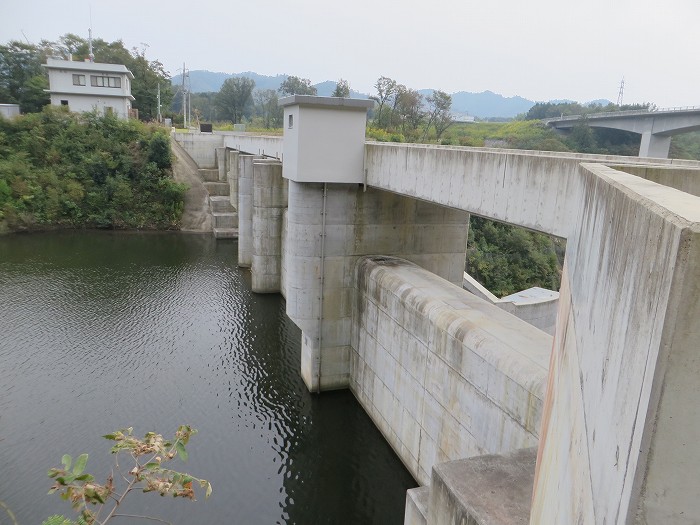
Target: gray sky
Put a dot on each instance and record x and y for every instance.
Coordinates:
(538, 49)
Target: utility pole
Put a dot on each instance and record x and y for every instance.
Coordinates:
(184, 97)
(160, 118)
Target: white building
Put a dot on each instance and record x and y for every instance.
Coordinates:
(9, 110)
(88, 86)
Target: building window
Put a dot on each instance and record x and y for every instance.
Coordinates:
(99, 81)
(291, 121)
(78, 80)
(64, 102)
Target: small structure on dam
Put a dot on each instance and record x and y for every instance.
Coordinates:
(595, 424)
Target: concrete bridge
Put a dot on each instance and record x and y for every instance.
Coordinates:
(656, 127)
(497, 420)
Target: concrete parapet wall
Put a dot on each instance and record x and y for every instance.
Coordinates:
(623, 401)
(442, 373)
(540, 312)
(202, 148)
(536, 190)
(262, 145)
(684, 179)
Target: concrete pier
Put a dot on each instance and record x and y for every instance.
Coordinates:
(329, 227)
(269, 203)
(222, 163)
(245, 210)
(232, 177)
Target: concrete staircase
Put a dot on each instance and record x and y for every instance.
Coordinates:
(224, 216)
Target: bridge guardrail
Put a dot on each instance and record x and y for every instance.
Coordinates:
(630, 113)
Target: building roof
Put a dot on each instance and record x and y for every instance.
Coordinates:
(92, 67)
(337, 102)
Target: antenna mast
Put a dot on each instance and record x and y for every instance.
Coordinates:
(621, 92)
(91, 55)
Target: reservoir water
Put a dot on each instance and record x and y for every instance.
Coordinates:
(103, 330)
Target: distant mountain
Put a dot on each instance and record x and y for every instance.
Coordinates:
(202, 81)
(206, 81)
(486, 104)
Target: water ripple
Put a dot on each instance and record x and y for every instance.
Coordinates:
(102, 331)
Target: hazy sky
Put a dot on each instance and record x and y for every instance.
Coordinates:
(538, 49)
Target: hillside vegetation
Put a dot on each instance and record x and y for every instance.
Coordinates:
(67, 170)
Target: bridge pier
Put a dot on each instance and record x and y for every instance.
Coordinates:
(653, 145)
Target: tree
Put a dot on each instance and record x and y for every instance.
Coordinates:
(409, 108)
(582, 138)
(386, 88)
(507, 259)
(297, 86)
(148, 76)
(234, 98)
(22, 79)
(439, 113)
(147, 473)
(267, 107)
(342, 89)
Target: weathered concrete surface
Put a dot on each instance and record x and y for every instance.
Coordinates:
(535, 306)
(222, 163)
(232, 177)
(321, 252)
(245, 210)
(196, 216)
(417, 506)
(269, 203)
(443, 374)
(684, 179)
(485, 490)
(623, 402)
(201, 148)
(622, 395)
(260, 145)
(536, 190)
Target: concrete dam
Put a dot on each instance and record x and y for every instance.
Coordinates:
(500, 420)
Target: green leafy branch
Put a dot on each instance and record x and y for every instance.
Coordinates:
(91, 500)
